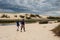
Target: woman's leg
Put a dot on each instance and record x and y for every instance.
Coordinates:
(21, 28)
(17, 28)
(24, 28)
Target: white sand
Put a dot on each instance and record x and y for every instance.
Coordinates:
(34, 31)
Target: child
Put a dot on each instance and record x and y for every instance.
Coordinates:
(17, 25)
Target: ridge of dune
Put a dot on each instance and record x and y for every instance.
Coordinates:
(11, 15)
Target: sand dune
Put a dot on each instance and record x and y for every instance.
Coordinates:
(11, 15)
(34, 31)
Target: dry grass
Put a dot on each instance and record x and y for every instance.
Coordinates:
(56, 30)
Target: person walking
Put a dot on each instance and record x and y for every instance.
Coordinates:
(23, 25)
(17, 25)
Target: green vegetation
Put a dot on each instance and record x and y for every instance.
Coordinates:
(13, 21)
(7, 21)
(56, 30)
(50, 17)
(28, 18)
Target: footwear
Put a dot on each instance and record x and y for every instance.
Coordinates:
(17, 29)
(24, 31)
(20, 31)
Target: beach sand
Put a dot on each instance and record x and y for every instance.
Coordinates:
(34, 31)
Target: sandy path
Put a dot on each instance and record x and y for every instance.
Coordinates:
(34, 31)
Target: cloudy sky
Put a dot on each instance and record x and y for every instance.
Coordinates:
(45, 7)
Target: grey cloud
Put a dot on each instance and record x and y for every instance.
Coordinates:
(32, 6)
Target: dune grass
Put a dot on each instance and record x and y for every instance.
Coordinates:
(57, 30)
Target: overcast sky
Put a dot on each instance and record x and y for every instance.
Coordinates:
(45, 7)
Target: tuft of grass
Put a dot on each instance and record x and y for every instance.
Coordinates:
(56, 30)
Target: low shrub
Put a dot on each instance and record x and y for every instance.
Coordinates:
(28, 17)
(43, 22)
(22, 16)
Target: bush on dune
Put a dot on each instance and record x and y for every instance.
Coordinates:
(32, 15)
(5, 16)
(22, 16)
(28, 17)
(43, 22)
(56, 30)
